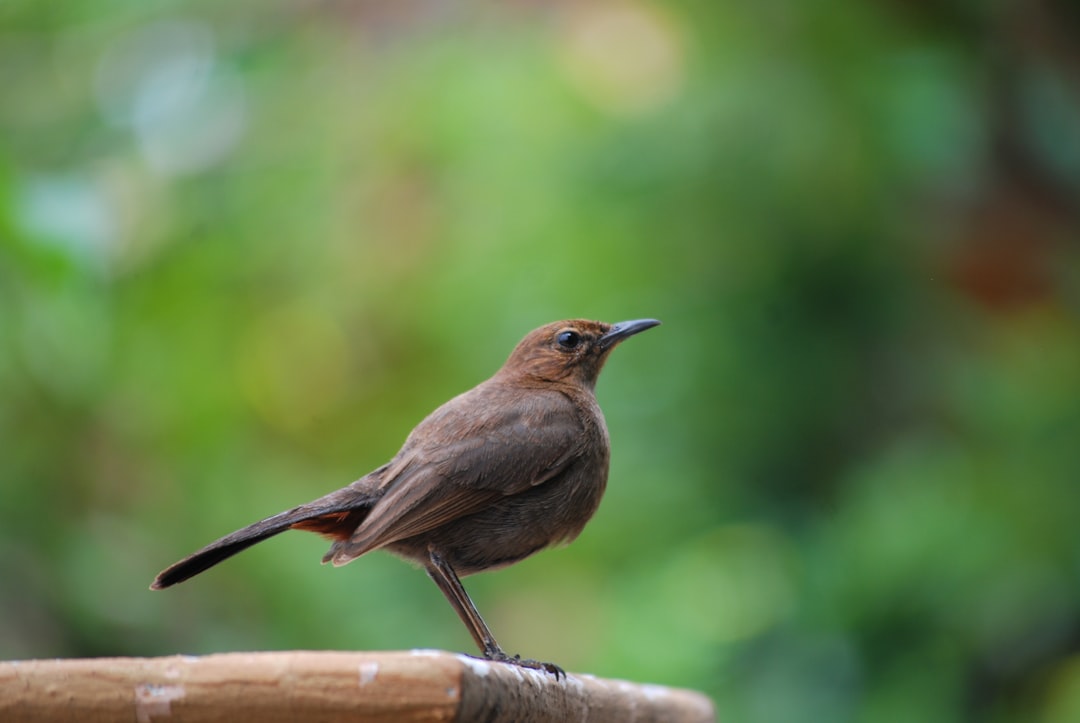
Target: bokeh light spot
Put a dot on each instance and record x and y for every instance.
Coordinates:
(165, 83)
(625, 58)
(733, 583)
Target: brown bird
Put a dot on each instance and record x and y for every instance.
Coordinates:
(514, 465)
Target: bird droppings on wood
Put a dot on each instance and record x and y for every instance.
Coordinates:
(154, 701)
(481, 667)
(369, 670)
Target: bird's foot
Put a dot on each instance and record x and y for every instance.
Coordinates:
(500, 656)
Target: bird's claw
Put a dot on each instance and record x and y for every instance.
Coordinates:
(499, 656)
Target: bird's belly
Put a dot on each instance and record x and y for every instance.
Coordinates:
(513, 527)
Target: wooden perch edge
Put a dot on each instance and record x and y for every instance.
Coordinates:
(335, 687)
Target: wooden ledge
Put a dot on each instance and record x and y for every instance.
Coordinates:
(418, 685)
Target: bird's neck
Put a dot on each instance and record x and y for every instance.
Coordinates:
(568, 383)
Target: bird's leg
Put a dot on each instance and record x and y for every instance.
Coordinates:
(444, 576)
(447, 580)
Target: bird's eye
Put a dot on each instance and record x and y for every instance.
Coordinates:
(568, 339)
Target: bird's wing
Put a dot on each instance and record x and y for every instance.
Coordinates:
(494, 450)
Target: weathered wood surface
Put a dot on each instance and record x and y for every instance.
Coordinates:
(326, 686)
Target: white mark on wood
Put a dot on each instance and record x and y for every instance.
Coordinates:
(368, 671)
(539, 677)
(426, 652)
(480, 667)
(654, 692)
(155, 700)
(516, 671)
(574, 682)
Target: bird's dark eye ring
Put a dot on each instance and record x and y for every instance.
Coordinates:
(568, 339)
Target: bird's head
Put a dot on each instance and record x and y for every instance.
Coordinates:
(571, 351)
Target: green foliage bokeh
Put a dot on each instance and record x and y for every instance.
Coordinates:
(245, 247)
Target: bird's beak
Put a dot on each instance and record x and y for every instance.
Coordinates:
(625, 329)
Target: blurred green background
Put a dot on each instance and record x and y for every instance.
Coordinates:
(245, 247)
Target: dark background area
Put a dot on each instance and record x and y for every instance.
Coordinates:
(245, 247)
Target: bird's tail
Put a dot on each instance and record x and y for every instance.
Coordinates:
(335, 516)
